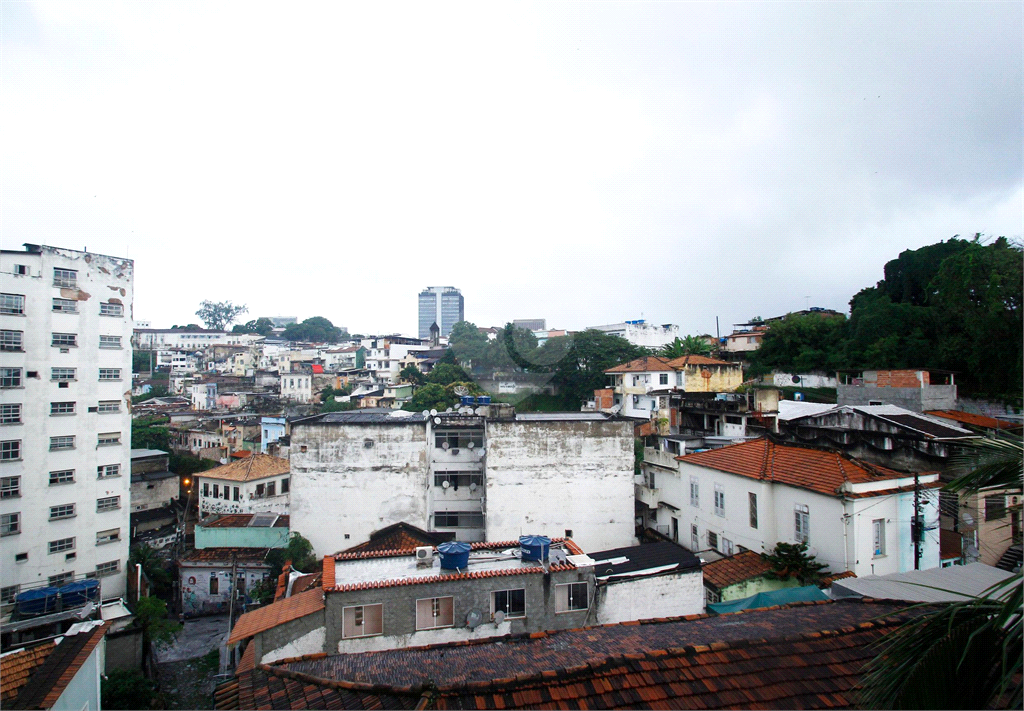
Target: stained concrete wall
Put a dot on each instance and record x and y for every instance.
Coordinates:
(294, 638)
(646, 598)
(547, 477)
(932, 397)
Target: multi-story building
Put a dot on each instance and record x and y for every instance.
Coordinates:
(65, 384)
(640, 333)
(442, 305)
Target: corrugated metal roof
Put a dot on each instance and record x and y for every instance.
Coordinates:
(957, 582)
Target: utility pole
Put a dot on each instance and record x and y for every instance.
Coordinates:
(916, 527)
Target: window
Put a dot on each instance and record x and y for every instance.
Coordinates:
(62, 408)
(10, 487)
(61, 545)
(719, 500)
(8, 594)
(571, 597)
(12, 304)
(62, 511)
(712, 596)
(111, 536)
(216, 491)
(10, 524)
(752, 501)
(55, 581)
(10, 414)
(878, 535)
(10, 377)
(284, 486)
(227, 492)
(64, 340)
(20, 557)
(108, 503)
(112, 567)
(694, 538)
(455, 480)
(995, 508)
(62, 373)
(459, 439)
(107, 406)
(235, 493)
(10, 450)
(727, 546)
(12, 341)
(713, 540)
(109, 309)
(110, 373)
(458, 519)
(802, 527)
(63, 476)
(67, 306)
(67, 278)
(107, 438)
(663, 379)
(362, 621)
(206, 488)
(435, 612)
(694, 492)
(110, 341)
(105, 471)
(272, 489)
(511, 602)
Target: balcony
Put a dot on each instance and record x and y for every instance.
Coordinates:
(659, 458)
(647, 496)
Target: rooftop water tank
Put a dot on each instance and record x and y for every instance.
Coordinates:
(534, 547)
(483, 400)
(467, 400)
(37, 602)
(77, 594)
(454, 555)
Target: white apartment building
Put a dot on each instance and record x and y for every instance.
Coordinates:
(65, 424)
(297, 387)
(153, 338)
(640, 333)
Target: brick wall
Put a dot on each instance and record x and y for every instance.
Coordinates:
(604, 399)
(901, 379)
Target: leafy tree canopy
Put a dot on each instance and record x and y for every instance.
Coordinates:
(262, 326)
(218, 315)
(126, 689)
(790, 560)
(690, 345)
(446, 374)
(430, 397)
(151, 616)
(412, 374)
(299, 551)
(316, 329)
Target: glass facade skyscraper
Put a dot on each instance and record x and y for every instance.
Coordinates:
(442, 305)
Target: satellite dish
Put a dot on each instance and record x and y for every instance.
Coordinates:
(473, 618)
(967, 518)
(471, 445)
(445, 445)
(499, 617)
(445, 484)
(433, 413)
(426, 413)
(460, 390)
(482, 452)
(472, 487)
(437, 420)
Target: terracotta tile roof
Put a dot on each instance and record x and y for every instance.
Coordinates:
(969, 418)
(16, 668)
(52, 677)
(276, 688)
(241, 454)
(734, 569)
(258, 466)
(528, 654)
(248, 660)
(277, 613)
(225, 555)
(827, 582)
(646, 364)
(399, 536)
(689, 360)
(814, 469)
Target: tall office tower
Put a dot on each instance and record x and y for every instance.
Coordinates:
(65, 420)
(442, 305)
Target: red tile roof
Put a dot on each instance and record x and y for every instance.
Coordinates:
(646, 364)
(735, 569)
(969, 418)
(398, 537)
(357, 553)
(16, 668)
(248, 660)
(258, 466)
(317, 369)
(814, 469)
(689, 360)
(277, 613)
(49, 680)
(214, 556)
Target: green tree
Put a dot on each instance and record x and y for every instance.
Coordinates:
(412, 374)
(150, 437)
(126, 689)
(186, 464)
(790, 560)
(690, 345)
(262, 326)
(299, 551)
(446, 374)
(800, 343)
(430, 397)
(151, 616)
(218, 315)
(152, 566)
(468, 344)
(154, 391)
(316, 329)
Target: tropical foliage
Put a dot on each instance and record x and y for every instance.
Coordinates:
(218, 315)
(791, 560)
(316, 329)
(690, 345)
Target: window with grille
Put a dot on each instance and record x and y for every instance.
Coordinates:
(110, 341)
(107, 406)
(459, 439)
(61, 545)
(108, 503)
(109, 438)
(694, 538)
(108, 309)
(362, 620)
(752, 500)
(8, 594)
(719, 500)
(571, 597)
(802, 523)
(10, 487)
(10, 450)
(112, 567)
(63, 373)
(62, 511)
(878, 536)
(694, 492)
(106, 471)
(12, 304)
(435, 612)
(511, 602)
(67, 278)
(63, 442)
(10, 524)
(111, 536)
(713, 540)
(10, 414)
(62, 476)
(110, 373)
(64, 340)
(12, 340)
(456, 480)
(458, 519)
(995, 508)
(10, 377)
(727, 546)
(67, 306)
(62, 408)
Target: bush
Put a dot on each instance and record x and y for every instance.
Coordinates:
(126, 689)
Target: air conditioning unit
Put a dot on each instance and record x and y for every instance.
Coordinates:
(424, 553)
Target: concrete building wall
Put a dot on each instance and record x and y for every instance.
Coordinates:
(547, 477)
(918, 399)
(154, 493)
(103, 285)
(305, 635)
(83, 691)
(747, 588)
(248, 500)
(646, 598)
(197, 597)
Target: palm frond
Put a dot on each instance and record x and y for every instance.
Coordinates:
(990, 461)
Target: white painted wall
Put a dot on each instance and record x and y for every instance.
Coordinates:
(248, 501)
(646, 598)
(83, 691)
(310, 643)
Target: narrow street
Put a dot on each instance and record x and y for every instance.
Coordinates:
(186, 668)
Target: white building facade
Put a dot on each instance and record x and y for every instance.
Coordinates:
(640, 333)
(65, 388)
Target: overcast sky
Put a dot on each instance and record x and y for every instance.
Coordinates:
(580, 162)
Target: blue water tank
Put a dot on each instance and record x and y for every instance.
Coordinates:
(77, 594)
(37, 602)
(483, 400)
(454, 555)
(467, 400)
(534, 547)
